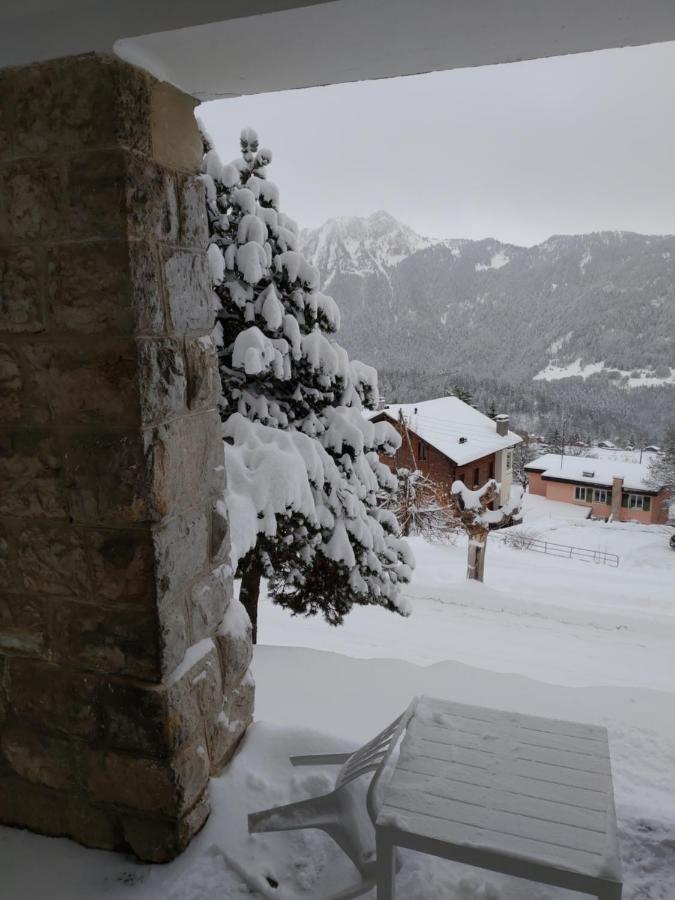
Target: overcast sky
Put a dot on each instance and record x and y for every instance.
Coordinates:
(517, 152)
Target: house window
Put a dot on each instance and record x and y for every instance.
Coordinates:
(476, 477)
(602, 496)
(421, 450)
(585, 494)
(492, 469)
(636, 501)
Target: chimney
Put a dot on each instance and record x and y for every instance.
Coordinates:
(502, 423)
(617, 491)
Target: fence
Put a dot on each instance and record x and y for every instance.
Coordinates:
(562, 551)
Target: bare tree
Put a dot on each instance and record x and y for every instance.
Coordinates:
(419, 503)
(475, 513)
(420, 509)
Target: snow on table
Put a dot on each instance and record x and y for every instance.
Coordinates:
(518, 794)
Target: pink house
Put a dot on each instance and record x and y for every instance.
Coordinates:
(620, 489)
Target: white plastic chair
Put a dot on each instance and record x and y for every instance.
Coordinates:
(341, 813)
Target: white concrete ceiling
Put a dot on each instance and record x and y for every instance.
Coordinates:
(212, 48)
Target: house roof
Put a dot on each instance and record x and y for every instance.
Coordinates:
(442, 422)
(587, 470)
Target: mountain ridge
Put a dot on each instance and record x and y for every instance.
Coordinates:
(592, 307)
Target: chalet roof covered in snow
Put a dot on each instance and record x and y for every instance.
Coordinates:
(586, 470)
(458, 430)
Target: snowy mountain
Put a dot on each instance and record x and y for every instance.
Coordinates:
(356, 246)
(598, 307)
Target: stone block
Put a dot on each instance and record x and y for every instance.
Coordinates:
(220, 530)
(89, 101)
(233, 640)
(33, 806)
(150, 785)
(194, 226)
(176, 142)
(5, 574)
(210, 598)
(89, 288)
(52, 698)
(159, 840)
(4, 700)
(183, 455)
(144, 271)
(106, 476)
(232, 723)
(51, 559)
(122, 566)
(38, 757)
(6, 103)
(188, 290)
(94, 383)
(134, 717)
(11, 384)
(93, 825)
(114, 640)
(104, 287)
(21, 284)
(173, 629)
(26, 375)
(22, 624)
(151, 202)
(161, 378)
(131, 781)
(203, 378)
(184, 719)
(31, 192)
(96, 194)
(30, 476)
(180, 551)
(205, 680)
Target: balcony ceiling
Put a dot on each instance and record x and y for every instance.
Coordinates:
(219, 48)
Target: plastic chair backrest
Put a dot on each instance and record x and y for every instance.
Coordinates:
(373, 757)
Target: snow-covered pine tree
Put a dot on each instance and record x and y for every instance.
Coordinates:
(312, 525)
(462, 393)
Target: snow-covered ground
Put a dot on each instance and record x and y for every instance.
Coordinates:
(547, 636)
(557, 620)
(629, 379)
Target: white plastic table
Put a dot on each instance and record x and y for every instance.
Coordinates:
(516, 794)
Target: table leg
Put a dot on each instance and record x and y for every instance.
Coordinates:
(386, 868)
(610, 892)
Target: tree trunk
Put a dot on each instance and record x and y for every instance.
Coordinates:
(475, 568)
(248, 594)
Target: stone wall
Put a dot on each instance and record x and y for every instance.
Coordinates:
(119, 692)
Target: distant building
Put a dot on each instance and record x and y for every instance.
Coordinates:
(448, 440)
(607, 487)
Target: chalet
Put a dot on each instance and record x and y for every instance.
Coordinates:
(449, 440)
(613, 488)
